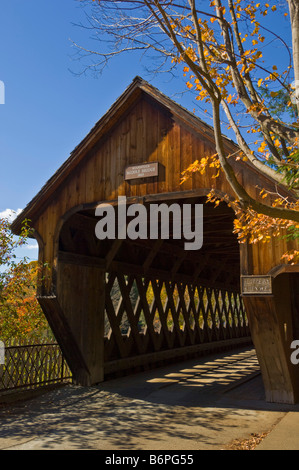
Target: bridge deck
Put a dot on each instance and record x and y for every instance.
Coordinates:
(193, 405)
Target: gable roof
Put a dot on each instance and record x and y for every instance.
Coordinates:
(105, 123)
(133, 92)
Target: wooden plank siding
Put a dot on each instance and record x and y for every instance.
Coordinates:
(147, 133)
(100, 176)
(144, 130)
(144, 125)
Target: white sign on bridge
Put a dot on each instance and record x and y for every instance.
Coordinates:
(253, 285)
(142, 170)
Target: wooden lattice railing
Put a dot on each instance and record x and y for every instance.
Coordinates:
(146, 321)
(148, 318)
(32, 366)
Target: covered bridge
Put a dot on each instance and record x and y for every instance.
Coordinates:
(118, 304)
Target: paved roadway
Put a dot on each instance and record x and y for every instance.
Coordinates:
(200, 404)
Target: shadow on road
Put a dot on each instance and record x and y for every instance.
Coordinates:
(195, 405)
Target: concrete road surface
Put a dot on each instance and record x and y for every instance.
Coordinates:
(200, 404)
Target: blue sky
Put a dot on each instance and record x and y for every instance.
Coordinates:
(48, 110)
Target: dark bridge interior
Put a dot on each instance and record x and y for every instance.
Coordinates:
(162, 301)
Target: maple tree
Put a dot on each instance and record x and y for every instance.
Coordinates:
(21, 317)
(9, 243)
(220, 46)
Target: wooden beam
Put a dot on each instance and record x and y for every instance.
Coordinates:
(194, 257)
(146, 360)
(112, 252)
(81, 260)
(218, 271)
(128, 268)
(178, 262)
(153, 273)
(152, 254)
(201, 266)
(81, 294)
(65, 338)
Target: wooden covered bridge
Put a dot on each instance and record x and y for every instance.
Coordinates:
(118, 304)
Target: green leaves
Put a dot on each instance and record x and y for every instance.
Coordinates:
(21, 316)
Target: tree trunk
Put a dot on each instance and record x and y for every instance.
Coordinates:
(294, 17)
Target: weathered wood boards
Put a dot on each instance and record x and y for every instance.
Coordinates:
(144, 126)
(157, 318)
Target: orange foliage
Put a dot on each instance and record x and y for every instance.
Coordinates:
(21, 316)
(249, 225)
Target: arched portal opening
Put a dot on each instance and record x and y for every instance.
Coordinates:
(160, 301)
(152, 138)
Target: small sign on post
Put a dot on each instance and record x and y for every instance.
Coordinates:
(256, 285)
(141, 170)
